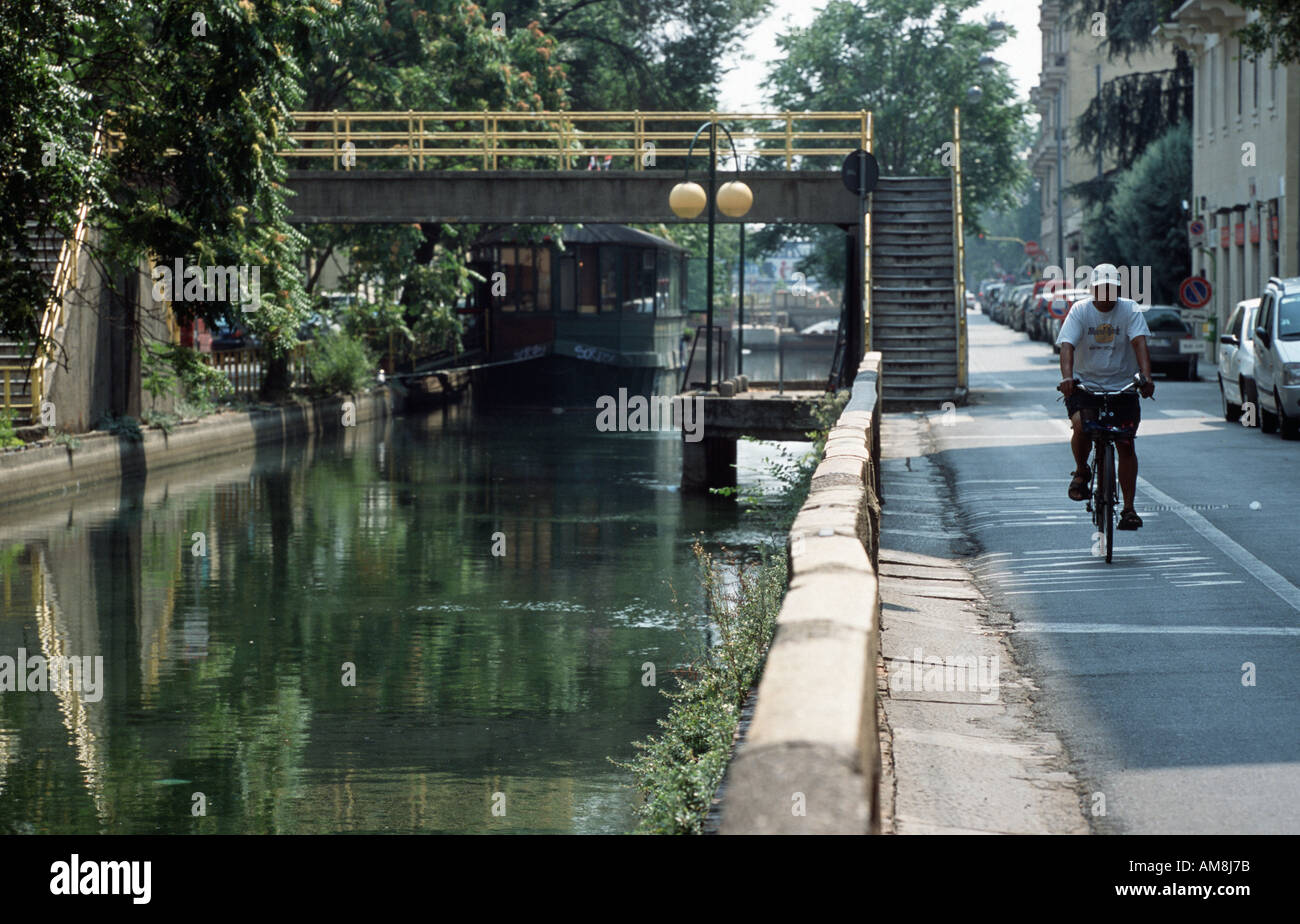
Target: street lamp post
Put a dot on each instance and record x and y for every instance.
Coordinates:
(687, 200)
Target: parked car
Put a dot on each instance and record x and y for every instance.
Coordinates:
(1056, 305)
(1017, 310)
(1168, 331)
(1277, 357)
(227, 336)
(991, 298)
(1237, 360)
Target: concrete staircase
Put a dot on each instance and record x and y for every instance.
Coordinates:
(913, 294)
(15, 356)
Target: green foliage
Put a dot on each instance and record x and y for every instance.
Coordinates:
(678, 771)
(125, 425)
(8, 439)
(169, 368)
(68, 441)
(989, 258)
(1277, 30)
(339, 364)
(1143, 223)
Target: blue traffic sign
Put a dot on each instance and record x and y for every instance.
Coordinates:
(1195, 292)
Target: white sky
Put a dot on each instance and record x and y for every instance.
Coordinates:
(741, 91)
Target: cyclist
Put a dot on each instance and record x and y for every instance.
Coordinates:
(1103, 345)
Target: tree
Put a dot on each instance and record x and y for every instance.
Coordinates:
(641, 54)
(1276, 30)
(909, 62)
(1143, 223)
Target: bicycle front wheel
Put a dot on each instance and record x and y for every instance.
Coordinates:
(1109, 456)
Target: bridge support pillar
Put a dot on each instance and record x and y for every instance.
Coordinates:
(709, 463)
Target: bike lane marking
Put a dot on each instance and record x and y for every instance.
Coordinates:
(1284, 589)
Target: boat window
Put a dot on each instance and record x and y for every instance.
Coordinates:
(609, 268)
(509, 278)
(543, 260)
(663, 284)
(526, 280)
(568, 269)
(588, 290)
(647, 305)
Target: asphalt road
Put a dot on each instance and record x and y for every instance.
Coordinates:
(1140, 664)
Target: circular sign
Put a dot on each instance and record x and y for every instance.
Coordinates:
(1194, 292)
(860, 172)
(1031, 248)
(1196, 228)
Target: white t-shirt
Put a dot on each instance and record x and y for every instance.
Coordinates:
(1103, 342)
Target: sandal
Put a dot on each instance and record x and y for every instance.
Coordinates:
(1128, 519)
(1079, 485)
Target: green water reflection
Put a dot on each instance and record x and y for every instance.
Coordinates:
(475, 674)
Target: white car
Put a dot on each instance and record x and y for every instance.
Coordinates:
(1237, 360)
(1277, 357)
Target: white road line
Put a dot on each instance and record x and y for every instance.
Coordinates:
(1288, 592)
(1115, 628)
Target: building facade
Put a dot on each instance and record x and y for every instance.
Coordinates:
(1075, 67)
(1245, 155)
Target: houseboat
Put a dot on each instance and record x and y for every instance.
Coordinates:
(565, 322)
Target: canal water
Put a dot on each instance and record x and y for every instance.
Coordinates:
(433, 624)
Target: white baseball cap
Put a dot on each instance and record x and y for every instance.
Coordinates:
(1104, 274)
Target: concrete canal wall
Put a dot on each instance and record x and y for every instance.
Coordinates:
(40, 471)
(810, 763)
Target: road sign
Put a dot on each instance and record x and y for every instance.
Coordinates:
(1196, 231)
(1031, 248)
(1195, 292)
(860, 167)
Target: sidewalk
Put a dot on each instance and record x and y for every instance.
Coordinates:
(960, 749)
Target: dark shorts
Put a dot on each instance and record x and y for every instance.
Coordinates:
(1127, 408)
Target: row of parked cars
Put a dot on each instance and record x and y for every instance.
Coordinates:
(1039, 309)
(1259, 359)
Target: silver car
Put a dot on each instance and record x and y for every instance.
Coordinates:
(1237, 360)
(1277, 357)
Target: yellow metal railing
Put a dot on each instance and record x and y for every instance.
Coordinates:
(630, 138)
(65, 278)
(959, 275)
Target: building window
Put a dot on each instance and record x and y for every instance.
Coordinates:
(568, 268)
(1272, 78)
(1254, 83)
(1239, 73)
(1213, 88)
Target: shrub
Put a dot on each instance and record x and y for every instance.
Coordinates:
(339, 364)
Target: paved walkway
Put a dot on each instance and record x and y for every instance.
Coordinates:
(961, 750)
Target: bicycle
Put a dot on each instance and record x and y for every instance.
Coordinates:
(1105, 494)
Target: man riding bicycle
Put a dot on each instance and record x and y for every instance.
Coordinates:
(1103, 343)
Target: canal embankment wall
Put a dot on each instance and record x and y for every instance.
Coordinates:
(54, 469)
(810, 762)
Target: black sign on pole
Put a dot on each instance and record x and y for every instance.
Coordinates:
(859, 173)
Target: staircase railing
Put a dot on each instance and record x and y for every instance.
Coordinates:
(959, 250)
(52, 318)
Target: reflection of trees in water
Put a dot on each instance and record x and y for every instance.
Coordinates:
(224, 670)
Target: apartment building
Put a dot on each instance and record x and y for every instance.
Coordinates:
(1075, 67)
(1245, 155)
